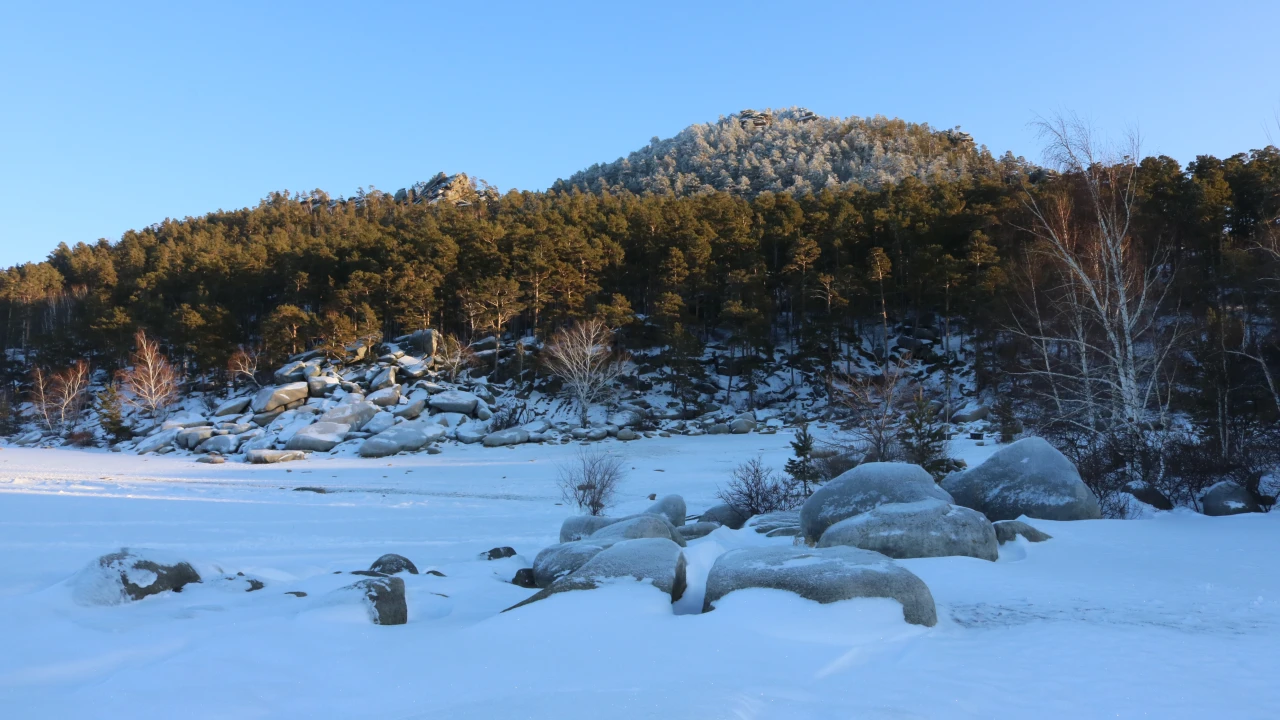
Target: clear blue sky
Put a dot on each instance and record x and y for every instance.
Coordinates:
(116, 115)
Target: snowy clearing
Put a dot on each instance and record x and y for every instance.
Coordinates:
(1176, 616)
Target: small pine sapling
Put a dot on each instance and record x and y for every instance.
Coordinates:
(924, 438)
(1006, 419)
(111, 415)
(802, 468)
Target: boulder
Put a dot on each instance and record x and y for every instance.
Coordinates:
(654, 560)
(1028, 477)
(726, 515)
(671, 507)
(469, 434)
(159, 441)
(381, 421)
(627, 435)
(234, 406)
(129, 575)
(555, 562)
(321, 385)
(638, 526)
(391, 563)
(384, 597)
(719, 429)
(625, 418)
(498, 553)
(863, 488)
(742, 426)
(928, 528)
(697, 530)
(190, 438)
(383, 380)
(1144, 493)
(406, 437)
(524, 578)
(412, 410)
(454, 401)
(489, 343)
(220, 444)
(510, 436)
(823, 575)
(578, 527)
(264, 456)
(211, 460)
(1007, 530)
(767, 523)
(289, 373)
(355, 414)
(1228, 498)
(386, 397)
(270, 399)
(319, 437)
(971, 413)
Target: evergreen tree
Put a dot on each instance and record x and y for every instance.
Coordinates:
(924, 438)
(801, 468)
(111, 414)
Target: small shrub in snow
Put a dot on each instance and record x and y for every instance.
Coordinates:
(509, 417)
(756, 489)
(590, 480)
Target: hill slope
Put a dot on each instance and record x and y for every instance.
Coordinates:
(790, 150)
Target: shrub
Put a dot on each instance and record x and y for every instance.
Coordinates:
(590, 480)
(756, 489)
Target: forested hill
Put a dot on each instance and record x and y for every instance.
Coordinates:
(790, 150)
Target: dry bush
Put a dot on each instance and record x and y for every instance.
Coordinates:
(590, 480)
(453, 356)
(243, 365)
(875, 401)
(756, 489)
(152, 383)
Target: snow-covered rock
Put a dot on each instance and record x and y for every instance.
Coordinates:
(724, 514)
(555, 562)
(319, 437)
(638, 526)
(354, 414)
(1008, 530)
(657, 561)
(824, 575)
(577, 527)
(379, 422)
(742, 426)
(234, 406)
(270, 399)
(1228, 498)
(928, 528)
(129, 575)
(384, 379)
(384, 597)
(391, 563)
(220, 444)
(773, 524)
(470, 434)
(863, 488)
(454, 401)
(411, 410)
(1029, 477)
(671, 507)
(386, 397)
(190, 438)
(264, 456)
(696, 530)
(321, 385)
(160, 440)
(405, 437)
(510, 436)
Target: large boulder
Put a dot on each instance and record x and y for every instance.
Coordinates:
(406, 437)
(1029, 477)
(319, 437)
(928, 528)
(382, 421)
(696, 530)
(234, 406)
(290, 372)
(454, 401)
(510, 436)
(863, 488)
(356, 414)
(1228, 498)
(638, 526)
(470, 434)
(742, 426)
(384, 597)
(190, 438)
(823, 575)
(159, 441)
(270, 399)
(391, 563)
(412, 410)
(655, 560)
(555, 562)
(321, 385)
(1008, 530)
(220, 444)
(129, 575)
(671, 507)
(725, 514)
(384, 379)
(267, 456)
(386, 397)
(781, 522)
(578, 527)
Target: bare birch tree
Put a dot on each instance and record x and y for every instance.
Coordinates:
(582, 356)
(243, 365)
(151, 382)
(454, 356)
(59, 398)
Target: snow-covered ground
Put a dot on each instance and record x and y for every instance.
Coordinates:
(1177, 616)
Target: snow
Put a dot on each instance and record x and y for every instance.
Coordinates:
(1176, 616)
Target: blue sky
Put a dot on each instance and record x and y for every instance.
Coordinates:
(115, 116)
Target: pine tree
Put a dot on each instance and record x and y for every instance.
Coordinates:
(111, 415)
(801, 468)
(924, 439)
